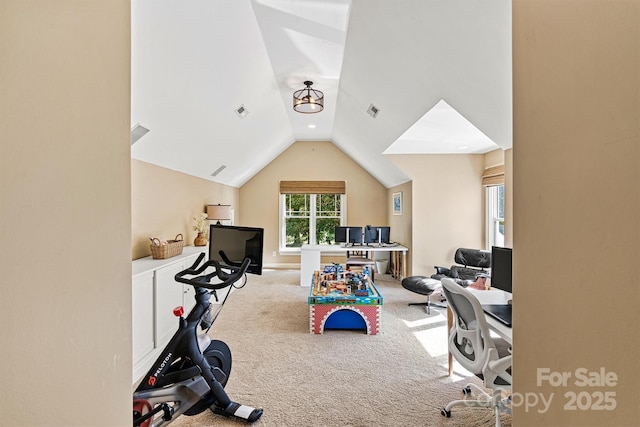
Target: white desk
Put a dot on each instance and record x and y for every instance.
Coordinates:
(491, 296)
(495, 296)
(310, 258)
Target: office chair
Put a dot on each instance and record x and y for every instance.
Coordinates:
(360, 258)
(473, 347)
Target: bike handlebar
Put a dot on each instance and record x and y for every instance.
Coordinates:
(204, 281)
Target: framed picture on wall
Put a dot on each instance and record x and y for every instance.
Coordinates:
(397, 203)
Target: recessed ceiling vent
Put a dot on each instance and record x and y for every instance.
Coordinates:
(138, 132)
(242, 112)
(373, 111)
(220, 169)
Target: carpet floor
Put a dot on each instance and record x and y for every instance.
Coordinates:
(342, 377)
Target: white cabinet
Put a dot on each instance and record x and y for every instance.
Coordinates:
(189, 292)
(155, 294)
(142, 317)
(168, 295)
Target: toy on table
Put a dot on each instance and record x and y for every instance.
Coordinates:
(349, 283)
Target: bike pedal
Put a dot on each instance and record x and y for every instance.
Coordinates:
(237, 410)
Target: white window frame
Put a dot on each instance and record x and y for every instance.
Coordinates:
(493, 219)
(282, 248)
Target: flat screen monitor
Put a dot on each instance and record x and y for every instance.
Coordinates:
(348, 234)
(501, 269)
(230, 245)
(377, 234)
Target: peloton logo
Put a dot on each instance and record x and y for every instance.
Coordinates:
(154, 377)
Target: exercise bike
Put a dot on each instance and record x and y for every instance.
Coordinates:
(190, 374)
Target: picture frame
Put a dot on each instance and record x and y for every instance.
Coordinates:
(397, 203)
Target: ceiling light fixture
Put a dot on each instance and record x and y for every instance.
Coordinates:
(308, 100)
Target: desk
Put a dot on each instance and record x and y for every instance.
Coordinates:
(491, 296)
(310, 258)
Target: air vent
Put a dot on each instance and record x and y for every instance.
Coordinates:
(220, 169)
(242, 112)
(138, 132)
(373, 111)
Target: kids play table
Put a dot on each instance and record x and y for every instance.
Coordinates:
(343, 304)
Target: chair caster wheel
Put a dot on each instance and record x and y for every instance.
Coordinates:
(445, 413)
(466, 390)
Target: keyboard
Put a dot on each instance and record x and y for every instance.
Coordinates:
(500, 312)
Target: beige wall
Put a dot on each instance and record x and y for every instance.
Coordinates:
(366, 198)
(494, 158)
(576, 161)
(164, 202)
(402, 225)
(65, 217)
(447, 206)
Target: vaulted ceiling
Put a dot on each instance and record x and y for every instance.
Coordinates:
(438, 72)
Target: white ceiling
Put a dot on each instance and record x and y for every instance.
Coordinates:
(439, 71)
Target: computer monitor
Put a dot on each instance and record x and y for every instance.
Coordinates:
(351, 235)
(501, 269)
(377, 234)
(231, 245)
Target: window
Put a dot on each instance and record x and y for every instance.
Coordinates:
(493, 180)
(310, 218)
(495, 215)
(310, 212)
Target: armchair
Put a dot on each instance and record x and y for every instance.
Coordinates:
(473, 347)
(469, 263)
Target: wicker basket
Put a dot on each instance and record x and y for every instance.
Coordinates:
(168, 250)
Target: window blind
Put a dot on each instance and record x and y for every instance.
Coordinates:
(312, 187)
(493, 176)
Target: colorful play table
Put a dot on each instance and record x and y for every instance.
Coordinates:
(343, 304)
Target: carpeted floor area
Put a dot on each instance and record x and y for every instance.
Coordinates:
(340, 378)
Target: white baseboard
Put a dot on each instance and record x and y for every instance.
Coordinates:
(282, 266)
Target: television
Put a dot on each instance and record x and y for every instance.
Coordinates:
(377, 234)
(351, 235)
(230, 245)
(501, 269)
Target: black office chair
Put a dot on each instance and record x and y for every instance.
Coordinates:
(472, 346)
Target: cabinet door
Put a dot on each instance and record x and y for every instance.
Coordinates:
(168, 295)
(142, 316)
(188, 298)
(188, 291)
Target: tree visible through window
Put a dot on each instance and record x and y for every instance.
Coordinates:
(297, 215)
(310, 218)
(328, 216)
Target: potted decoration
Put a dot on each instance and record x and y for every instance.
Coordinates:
(201, 228)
